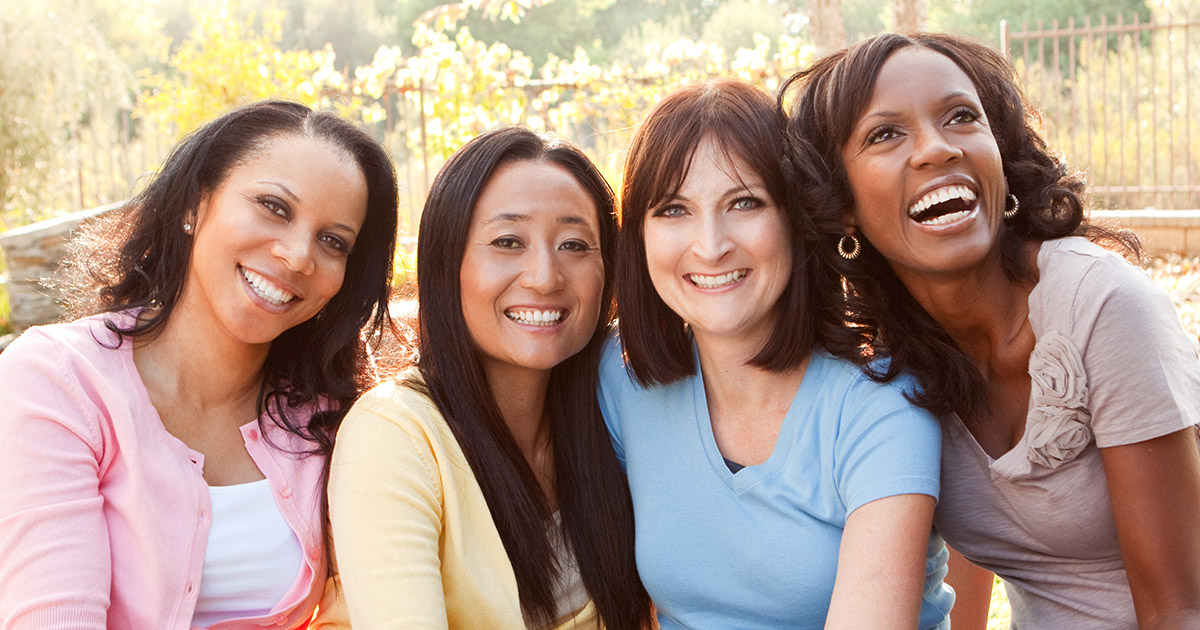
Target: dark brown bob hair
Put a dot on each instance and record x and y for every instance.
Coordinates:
(744, 123)
(827, 101)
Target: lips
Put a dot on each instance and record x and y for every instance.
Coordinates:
(536, 317)
(705, 281)
(265, 289)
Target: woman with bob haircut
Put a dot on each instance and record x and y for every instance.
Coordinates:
(773, 484)
(478, 489)
(164, 454)
(1069, 390)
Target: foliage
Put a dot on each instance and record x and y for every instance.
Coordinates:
(231, 57)
(59, 78)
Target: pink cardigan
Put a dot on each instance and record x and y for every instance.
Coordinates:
(103, 513)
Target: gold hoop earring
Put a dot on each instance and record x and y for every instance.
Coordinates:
(850, 251)
(1016, 205)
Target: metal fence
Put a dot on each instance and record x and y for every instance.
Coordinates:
(1120, 99)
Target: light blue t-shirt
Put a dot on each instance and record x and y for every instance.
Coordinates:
(759, 548)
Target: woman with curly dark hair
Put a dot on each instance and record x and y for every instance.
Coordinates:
(1069, 390)
(164, 454)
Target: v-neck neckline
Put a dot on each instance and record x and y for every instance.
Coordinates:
(751, 475)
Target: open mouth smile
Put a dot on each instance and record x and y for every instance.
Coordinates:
(943, 206)
(715, 282)
(536, 317)
(265, 289)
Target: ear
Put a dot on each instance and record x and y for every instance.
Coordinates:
(196, 216)
(849, 220)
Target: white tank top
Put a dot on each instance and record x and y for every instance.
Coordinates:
(252, 557)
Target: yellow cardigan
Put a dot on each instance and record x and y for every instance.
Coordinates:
(416, 545)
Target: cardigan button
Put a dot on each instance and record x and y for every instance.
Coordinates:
(281, 620)
(286, 492)
(314, 553)
(253, 433)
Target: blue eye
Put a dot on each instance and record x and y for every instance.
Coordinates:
(747, 203)
(669, 211)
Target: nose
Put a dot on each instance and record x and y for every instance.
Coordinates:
(295, 250)
(543, 270)
(933, 148)
(711, 242)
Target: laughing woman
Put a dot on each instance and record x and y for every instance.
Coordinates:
(1070, 464)
(163, 458)
(478, 490)
(773, 484)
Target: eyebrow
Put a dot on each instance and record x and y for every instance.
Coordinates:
(287, 192)
(516, 217)
(957, 94)
(748, 187)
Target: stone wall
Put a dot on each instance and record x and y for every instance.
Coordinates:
(33, 253)
(1162, 231)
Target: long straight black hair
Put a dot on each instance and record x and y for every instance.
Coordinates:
(593, 497)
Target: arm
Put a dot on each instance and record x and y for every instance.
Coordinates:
(881, 564)
(54, 552)
(1145, 389)
(972, 593)
(1154, 488)
(386, 516)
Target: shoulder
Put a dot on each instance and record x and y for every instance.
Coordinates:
(86, 340)
(860, 405)
(843, 378)
(397, 413)
(1074, 273)
(614, 372)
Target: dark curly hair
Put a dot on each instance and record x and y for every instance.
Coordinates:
(827, 101)
(138, 256)
(744, 123)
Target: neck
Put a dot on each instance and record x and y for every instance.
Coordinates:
(190, 365)
(983, 311)
(730, 381)
(521, 397)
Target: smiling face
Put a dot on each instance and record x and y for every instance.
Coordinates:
(718, 250)
(924, 169)
(271, 242)
(532, 273)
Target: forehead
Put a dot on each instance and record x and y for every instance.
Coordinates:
(916, 74)
(529, 190)
(712, 155)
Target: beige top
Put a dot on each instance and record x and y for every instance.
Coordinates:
(416, 544)
(1111, 366)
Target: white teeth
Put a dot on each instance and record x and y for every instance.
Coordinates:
(938, 196)
(265, 289)
(712, 282)
(534, 317)
(946, 218)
